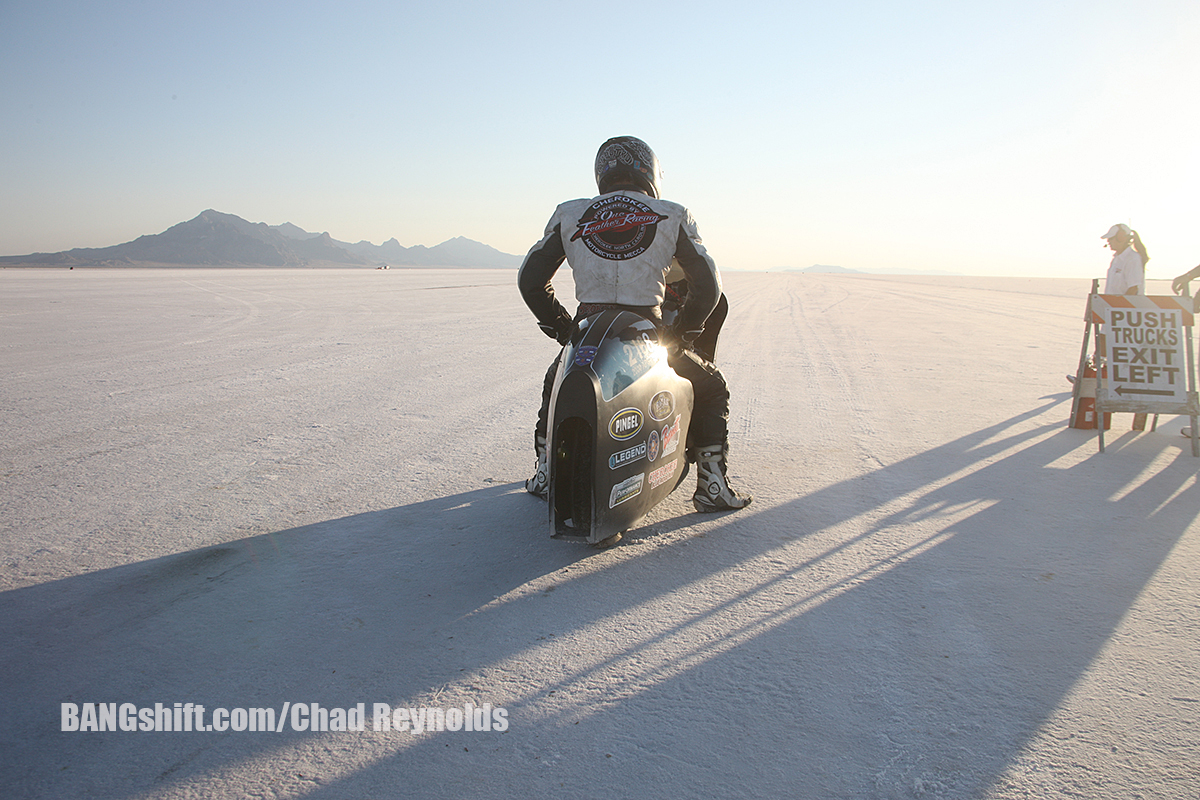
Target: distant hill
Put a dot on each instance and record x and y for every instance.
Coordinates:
(217, 239)
(825, 268)
(822, 268)
(456, 252)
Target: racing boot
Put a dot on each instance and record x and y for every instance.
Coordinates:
(539, 484)
(713, 492)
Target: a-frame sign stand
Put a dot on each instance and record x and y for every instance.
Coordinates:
(1144, 358)
(1077, 392)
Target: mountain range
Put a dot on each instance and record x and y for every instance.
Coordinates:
(832, 270)
(214, 239)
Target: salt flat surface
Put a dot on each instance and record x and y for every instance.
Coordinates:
(245, 488)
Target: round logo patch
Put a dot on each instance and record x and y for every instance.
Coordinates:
(625, 424)
(661, 405)
(618, 227)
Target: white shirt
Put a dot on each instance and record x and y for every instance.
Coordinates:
(1125, 271)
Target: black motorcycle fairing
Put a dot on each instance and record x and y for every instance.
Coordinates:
(619, 419)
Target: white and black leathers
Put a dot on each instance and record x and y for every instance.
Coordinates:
(620, 247)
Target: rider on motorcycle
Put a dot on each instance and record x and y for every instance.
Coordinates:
(620, 246)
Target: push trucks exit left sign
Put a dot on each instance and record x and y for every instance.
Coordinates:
(1144, 343)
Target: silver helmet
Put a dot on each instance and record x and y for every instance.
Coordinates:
(627, 160)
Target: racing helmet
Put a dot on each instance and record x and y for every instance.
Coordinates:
(627, 160)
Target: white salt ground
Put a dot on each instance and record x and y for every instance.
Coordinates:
(245, 488)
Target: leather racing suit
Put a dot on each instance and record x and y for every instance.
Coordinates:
(620, 246)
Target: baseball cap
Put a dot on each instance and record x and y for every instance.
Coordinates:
(1119, 229)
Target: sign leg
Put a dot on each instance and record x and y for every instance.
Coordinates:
(1083, 353)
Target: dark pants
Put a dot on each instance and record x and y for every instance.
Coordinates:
(710, 418)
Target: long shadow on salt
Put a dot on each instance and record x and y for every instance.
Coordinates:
(905, 632)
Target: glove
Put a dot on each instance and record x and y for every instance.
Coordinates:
(561, 330)
(676, 339)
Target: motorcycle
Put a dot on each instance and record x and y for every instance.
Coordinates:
(619, 418)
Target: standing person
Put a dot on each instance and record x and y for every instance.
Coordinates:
(620, 261)
(1127, 270)
(1178, 286)
(1126, 274)
(1181, 283)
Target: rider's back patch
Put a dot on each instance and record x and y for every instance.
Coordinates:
(618, 227)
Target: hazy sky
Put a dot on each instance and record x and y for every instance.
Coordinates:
(983, 138)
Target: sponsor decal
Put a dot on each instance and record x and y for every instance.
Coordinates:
(670, 437)
(653, 446)
(625, 424)
(661, 405)
(626, 489)
(585, 355)
(638, 451)
(663, 474)
(618, 227)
